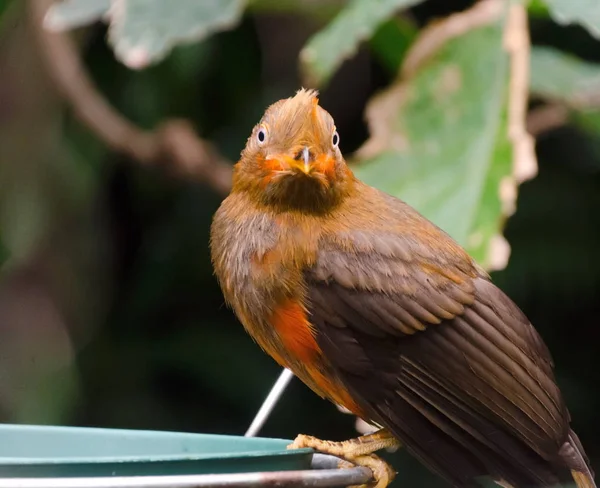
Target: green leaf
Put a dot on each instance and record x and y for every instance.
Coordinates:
(339, 40)
(583, 12)
(145, 31)
(391, 42)
(588, 120)
(561, 76)
(70, 14)
(537, 8)
(439, 141)
(3, 6)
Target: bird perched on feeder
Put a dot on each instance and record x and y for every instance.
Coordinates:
(378, 310)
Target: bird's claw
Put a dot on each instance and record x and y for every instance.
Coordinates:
(302, 442)
(383, 473)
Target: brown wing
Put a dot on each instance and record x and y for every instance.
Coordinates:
(444, 359)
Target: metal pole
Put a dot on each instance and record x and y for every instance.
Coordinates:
(267, 407)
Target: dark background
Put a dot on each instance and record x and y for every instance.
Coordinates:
(111, 316)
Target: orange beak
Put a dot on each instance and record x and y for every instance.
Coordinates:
(303, 161)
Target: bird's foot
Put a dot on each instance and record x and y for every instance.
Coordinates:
(383, 473)
(357, 452)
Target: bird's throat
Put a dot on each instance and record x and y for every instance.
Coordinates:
(310, 194)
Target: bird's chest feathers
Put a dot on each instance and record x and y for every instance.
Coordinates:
(281, 267)
(293, 250)
(260, 262)
(268, 290)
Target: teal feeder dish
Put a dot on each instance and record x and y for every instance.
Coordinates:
(74, 457)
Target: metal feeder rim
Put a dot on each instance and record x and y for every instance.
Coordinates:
(324, 474)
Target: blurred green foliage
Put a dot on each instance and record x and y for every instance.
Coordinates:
(356, 22)
(451, 110)
(3, 6)
(109, 312)
(75, 13)
(143, 30)
(561, 76)
(582, 12)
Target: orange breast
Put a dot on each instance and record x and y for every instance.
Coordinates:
(295, 331)
(297, 336)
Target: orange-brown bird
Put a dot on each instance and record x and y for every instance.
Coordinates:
(378, 310)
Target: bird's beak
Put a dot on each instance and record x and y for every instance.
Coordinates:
(304, 160)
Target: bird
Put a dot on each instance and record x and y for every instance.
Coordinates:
(380, 311)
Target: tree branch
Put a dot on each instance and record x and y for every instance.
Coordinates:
(174, 143)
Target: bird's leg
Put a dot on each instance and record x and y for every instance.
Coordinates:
(358, 451)
(360, 446)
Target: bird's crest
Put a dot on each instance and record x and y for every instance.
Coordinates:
(305, 99)
(295, 115)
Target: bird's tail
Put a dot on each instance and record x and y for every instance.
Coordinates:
(582, 473)
(583, 480)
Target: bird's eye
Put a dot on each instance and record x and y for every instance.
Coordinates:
(335, 139)
(261, 135)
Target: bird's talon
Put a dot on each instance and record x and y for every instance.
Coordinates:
(383, 473)
(302, 442)
(355, 452)
(343, 464)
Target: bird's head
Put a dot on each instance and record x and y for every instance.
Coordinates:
(292, 159)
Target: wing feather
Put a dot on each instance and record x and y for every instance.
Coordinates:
(439, 355)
